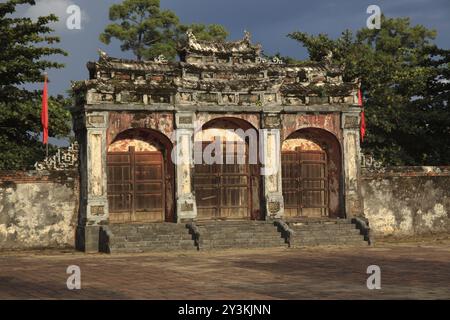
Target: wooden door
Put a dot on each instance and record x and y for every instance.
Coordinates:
(226, 191)
(136, 186)
(305, 183)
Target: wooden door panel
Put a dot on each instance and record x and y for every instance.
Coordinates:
(224, 191)
(305, 183)
(207, 196)
(207, 213)
(234, 197)
(136, 187)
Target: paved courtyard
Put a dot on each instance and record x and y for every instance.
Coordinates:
(409, 270)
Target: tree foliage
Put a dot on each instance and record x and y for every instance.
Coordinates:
(146, 30)
(211, 32)
(404, 77)
(22, 61)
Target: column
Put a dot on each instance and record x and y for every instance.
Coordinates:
(351, 158)
(270, 144)
(96, 179)
(184, 166)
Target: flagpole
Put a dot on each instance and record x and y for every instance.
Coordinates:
(46, 145)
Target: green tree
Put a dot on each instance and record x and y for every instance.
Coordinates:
(143, 28)
(146, 30)
(22, 49)
(394, 65)
(434, 144)
(211, 32)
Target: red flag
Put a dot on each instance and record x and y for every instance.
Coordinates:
(44, 113)
(363, 118)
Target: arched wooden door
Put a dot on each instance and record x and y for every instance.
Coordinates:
(228, 189)
(305, 183)
(139, 182)
(311, 174)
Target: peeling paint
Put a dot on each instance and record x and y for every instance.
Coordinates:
(37, 215)
(400, 204)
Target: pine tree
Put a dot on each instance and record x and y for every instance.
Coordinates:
(146, 30)
(22, 61)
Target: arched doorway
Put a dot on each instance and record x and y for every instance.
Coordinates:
(311, 174)
(140, 177)
(227, 176)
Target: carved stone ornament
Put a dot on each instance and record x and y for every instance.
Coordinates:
(160, 59)
(274, 207)
(191, 37)
(351, 122)
(64, 159)
(272, 122)
(186, 207)
(277, 60)
(369, 163)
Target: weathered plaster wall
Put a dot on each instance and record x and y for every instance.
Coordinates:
(407, 201)
(38, 210)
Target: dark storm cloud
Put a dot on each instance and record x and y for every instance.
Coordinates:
(269, 22)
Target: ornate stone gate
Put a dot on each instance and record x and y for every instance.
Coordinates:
(214, 81)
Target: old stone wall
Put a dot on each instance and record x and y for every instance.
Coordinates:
(38, 210)
(407, 201)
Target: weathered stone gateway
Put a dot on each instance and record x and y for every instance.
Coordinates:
(131, 118)
(291, 177)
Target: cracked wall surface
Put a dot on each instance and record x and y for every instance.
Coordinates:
(407, 201)
(38, 211)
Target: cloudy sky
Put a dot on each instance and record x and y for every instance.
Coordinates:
(269, 22)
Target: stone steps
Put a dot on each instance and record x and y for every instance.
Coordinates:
(231, 234)
(150, 237)
(239, 234)
(314, 233)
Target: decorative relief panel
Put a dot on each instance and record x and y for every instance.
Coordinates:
(95, 170)
(274, 207)
(272, 121)
(95, 119)
(351, 122)
(121, 121)
(294, 122)
(64, 159)
(204, 117)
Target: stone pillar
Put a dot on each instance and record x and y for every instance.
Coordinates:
(270, 150)
(96, 180)
(351, 159)
(184, 158)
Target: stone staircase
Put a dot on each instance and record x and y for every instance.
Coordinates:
(325, 232)
(239, 234)
(136, 238)
(207, 235)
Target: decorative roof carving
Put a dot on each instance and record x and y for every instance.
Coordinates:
(160, 59)
(243, 46)
(247, 36)
(229, 68)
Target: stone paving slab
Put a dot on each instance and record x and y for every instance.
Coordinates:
(408, 271)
